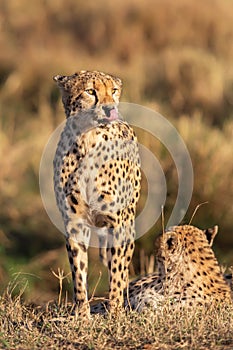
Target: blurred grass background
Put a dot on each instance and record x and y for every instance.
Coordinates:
(173, 56)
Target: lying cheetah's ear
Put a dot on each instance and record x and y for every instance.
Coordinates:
(211, 233)
(170, 241)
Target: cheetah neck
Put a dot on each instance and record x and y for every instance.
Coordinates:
(195, 275)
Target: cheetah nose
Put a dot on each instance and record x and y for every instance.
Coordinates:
(110, 112)
(107, 110)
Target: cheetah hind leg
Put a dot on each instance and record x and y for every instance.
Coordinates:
(103, 241)
(78, 258)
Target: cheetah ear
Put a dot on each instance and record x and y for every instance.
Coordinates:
(170, 243)
(171, 240)
(119, 81)
(211, 233)
(60, 80)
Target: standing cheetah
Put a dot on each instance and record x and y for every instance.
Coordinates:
(96, 181)
(188, 273)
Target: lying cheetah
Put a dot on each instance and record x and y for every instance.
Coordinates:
(188, 272)
(96, 181)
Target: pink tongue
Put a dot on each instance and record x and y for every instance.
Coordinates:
(113, 114)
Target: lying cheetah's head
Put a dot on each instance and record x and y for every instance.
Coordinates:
(90, 91)
(187, 264)
(186, 245)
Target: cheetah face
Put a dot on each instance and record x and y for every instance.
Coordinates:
(93, 92)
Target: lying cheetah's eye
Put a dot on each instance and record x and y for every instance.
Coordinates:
(114, 90)
(90, 91)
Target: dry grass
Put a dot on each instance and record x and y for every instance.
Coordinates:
(51, 327)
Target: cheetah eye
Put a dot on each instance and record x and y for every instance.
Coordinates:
(90, 91)
(114, 90)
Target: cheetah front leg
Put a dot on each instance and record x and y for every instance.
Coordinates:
(78, 259)
(129, 249)
(116, 262)
(119, 255)
(130, 233)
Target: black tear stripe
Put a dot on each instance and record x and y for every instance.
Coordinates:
(73, 199)
(95, 94)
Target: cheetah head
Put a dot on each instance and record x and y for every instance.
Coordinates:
(184, 246)
(90, 91)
